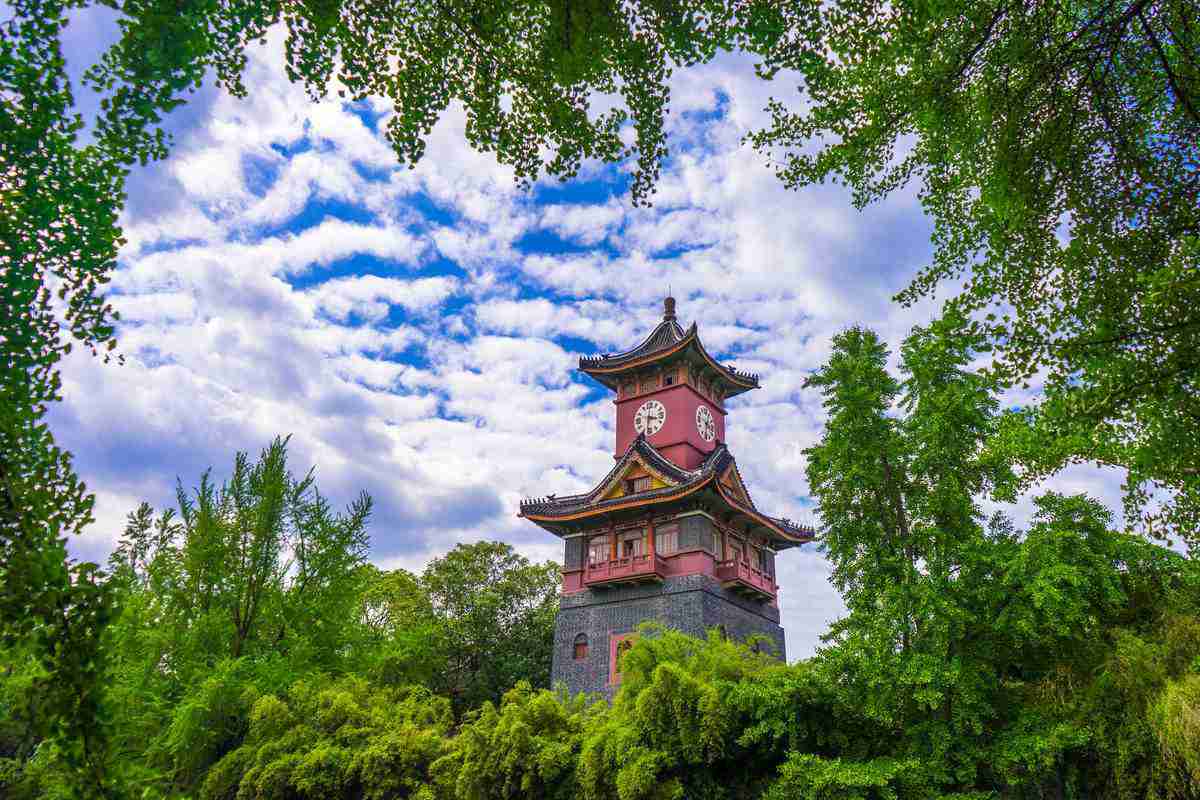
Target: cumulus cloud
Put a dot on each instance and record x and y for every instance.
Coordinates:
(416, 330)
(372, 296)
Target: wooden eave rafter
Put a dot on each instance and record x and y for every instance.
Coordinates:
(686, 490)
(760, 518)
(737, 479)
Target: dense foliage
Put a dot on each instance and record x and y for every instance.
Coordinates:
(1056, 144)
(256, 589)
(257, 655)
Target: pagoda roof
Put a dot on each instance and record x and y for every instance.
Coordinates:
(553, 512)
(667, 339)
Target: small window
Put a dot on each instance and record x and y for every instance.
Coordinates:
(580, 651)
(636, 485)
(666, 539)
(630, 543)
(598, 549)
(668, 380)
(756, 558)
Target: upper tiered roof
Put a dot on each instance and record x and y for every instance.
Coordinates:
(668, 340)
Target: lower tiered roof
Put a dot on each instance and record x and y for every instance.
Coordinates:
(715, 483)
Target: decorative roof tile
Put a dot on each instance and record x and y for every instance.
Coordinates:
(665, 335)
(666, 338)
(685, 482)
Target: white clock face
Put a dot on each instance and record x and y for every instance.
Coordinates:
(705, 424)
(649, 417)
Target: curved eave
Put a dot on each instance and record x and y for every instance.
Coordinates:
(650, 346)
(741, 481)
(645, 454)
(609, 508)
(782, 535)
(787, 537)
(608, 375)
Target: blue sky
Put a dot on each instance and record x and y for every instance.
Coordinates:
(416, 330)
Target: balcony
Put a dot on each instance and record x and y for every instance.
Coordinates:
(745, 579)
(629, 569)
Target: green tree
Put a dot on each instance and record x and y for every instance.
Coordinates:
(246, 586)
(527, 748)
(995, 658)
(496, 611)
(340, 739)
(1055, 146)
(404, 642)
(258, 565)
(672, 731)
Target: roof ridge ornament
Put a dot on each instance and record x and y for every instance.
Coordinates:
(669, 307)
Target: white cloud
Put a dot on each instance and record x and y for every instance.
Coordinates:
(583, 223)
(372, 296)
(395, 321)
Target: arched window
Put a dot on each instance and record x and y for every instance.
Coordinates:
(580, 651)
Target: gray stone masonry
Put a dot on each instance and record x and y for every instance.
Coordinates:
(689, 603)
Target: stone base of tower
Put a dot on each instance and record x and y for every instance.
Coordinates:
(692, 604)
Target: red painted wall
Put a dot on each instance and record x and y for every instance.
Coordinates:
(678, 438)
(689, 562)
(572, 581)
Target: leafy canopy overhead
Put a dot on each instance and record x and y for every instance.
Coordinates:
(544, 85)
(1056, 146)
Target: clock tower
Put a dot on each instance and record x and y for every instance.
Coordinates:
(670, 533)
(678, 402)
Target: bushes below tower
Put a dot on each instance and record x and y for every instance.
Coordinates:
(255, 649)
(258, 657)
(693, 718)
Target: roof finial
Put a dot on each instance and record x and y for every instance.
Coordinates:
(669, 306)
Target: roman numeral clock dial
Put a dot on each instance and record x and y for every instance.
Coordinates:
(649, 417)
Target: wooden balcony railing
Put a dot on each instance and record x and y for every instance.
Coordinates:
(742, 577)
(627, 569)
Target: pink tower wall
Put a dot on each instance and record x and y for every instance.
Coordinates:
(678, 438)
